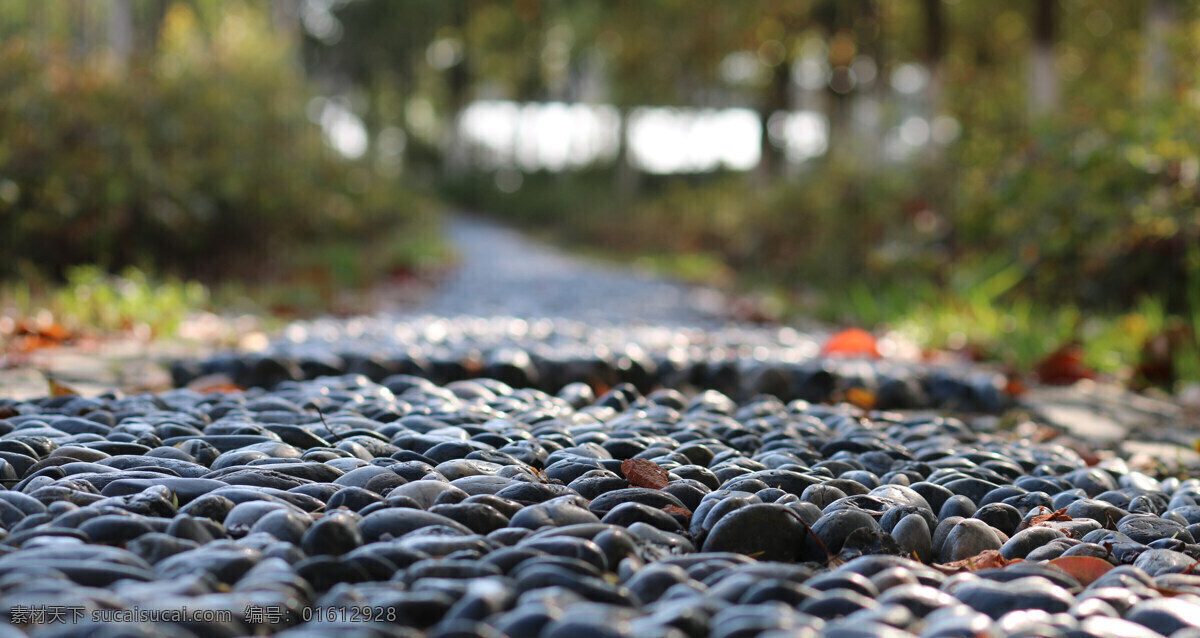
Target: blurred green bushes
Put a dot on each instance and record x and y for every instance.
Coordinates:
(196, 159)
(1014, 244)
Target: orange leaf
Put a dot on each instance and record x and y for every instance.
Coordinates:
(986, 559)
(675, 509)
(644, 473)
(214, 383)
(61, 389)
(1060, 515)
(29, 342)
(860, 397)
(853, 342)
(56, 332)
(1085, 569)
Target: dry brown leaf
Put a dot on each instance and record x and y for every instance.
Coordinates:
(214, 383)
(58, 389)
(1064, 366)
(1085, 569)
(1060, 515)
(675, 509)
(984, 560)
(1015, 386)
(644, 473)
(861, 398)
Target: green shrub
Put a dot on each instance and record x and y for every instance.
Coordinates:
(198, 159)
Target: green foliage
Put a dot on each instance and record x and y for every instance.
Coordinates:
(197, 158)
(1085, 233)
(93, 300)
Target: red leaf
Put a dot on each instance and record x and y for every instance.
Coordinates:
(1085, 569)
(854, 342)
(644, 473)
(1015, 387)
(1064, 366)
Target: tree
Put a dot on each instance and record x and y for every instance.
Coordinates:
(1160, 14)
(935, 49)
(1043, 80)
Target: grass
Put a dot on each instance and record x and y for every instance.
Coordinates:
(335, 276)
(93, 301)
(988, 323)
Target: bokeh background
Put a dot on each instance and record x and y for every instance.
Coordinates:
(1007, 180)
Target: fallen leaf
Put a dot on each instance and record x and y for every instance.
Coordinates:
(675, 509)
(58, 389)
(860, 397)
(30, 342)
(1085, 569)
(1045, 433)
(1059, 515)
(214, 383)
(1085, 451)
(644, 473)
(1064, 366)
(854, 342)
(986, 559)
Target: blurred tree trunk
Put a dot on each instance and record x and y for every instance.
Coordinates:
(285, 20)
(935, 49)
(456, 156)
(1160, 14)
(872, 46)
(840, 21)
(148, 25)
(773, 159)
(120, 30)
(627, 178)
(40, 19)
(80, 24)
(1043, 81)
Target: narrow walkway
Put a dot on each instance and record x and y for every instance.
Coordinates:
(502, 272)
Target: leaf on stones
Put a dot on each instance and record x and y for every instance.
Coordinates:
(214, 383)
(58, 389)
(1015, 387)
(861, 398)
(1059, 515)
(675, 509)
(986, 559)
(854, 342)
(1064, 366)
(1085, 569)
(644, 473)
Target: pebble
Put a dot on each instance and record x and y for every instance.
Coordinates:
(554, 354)
(483, 506)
